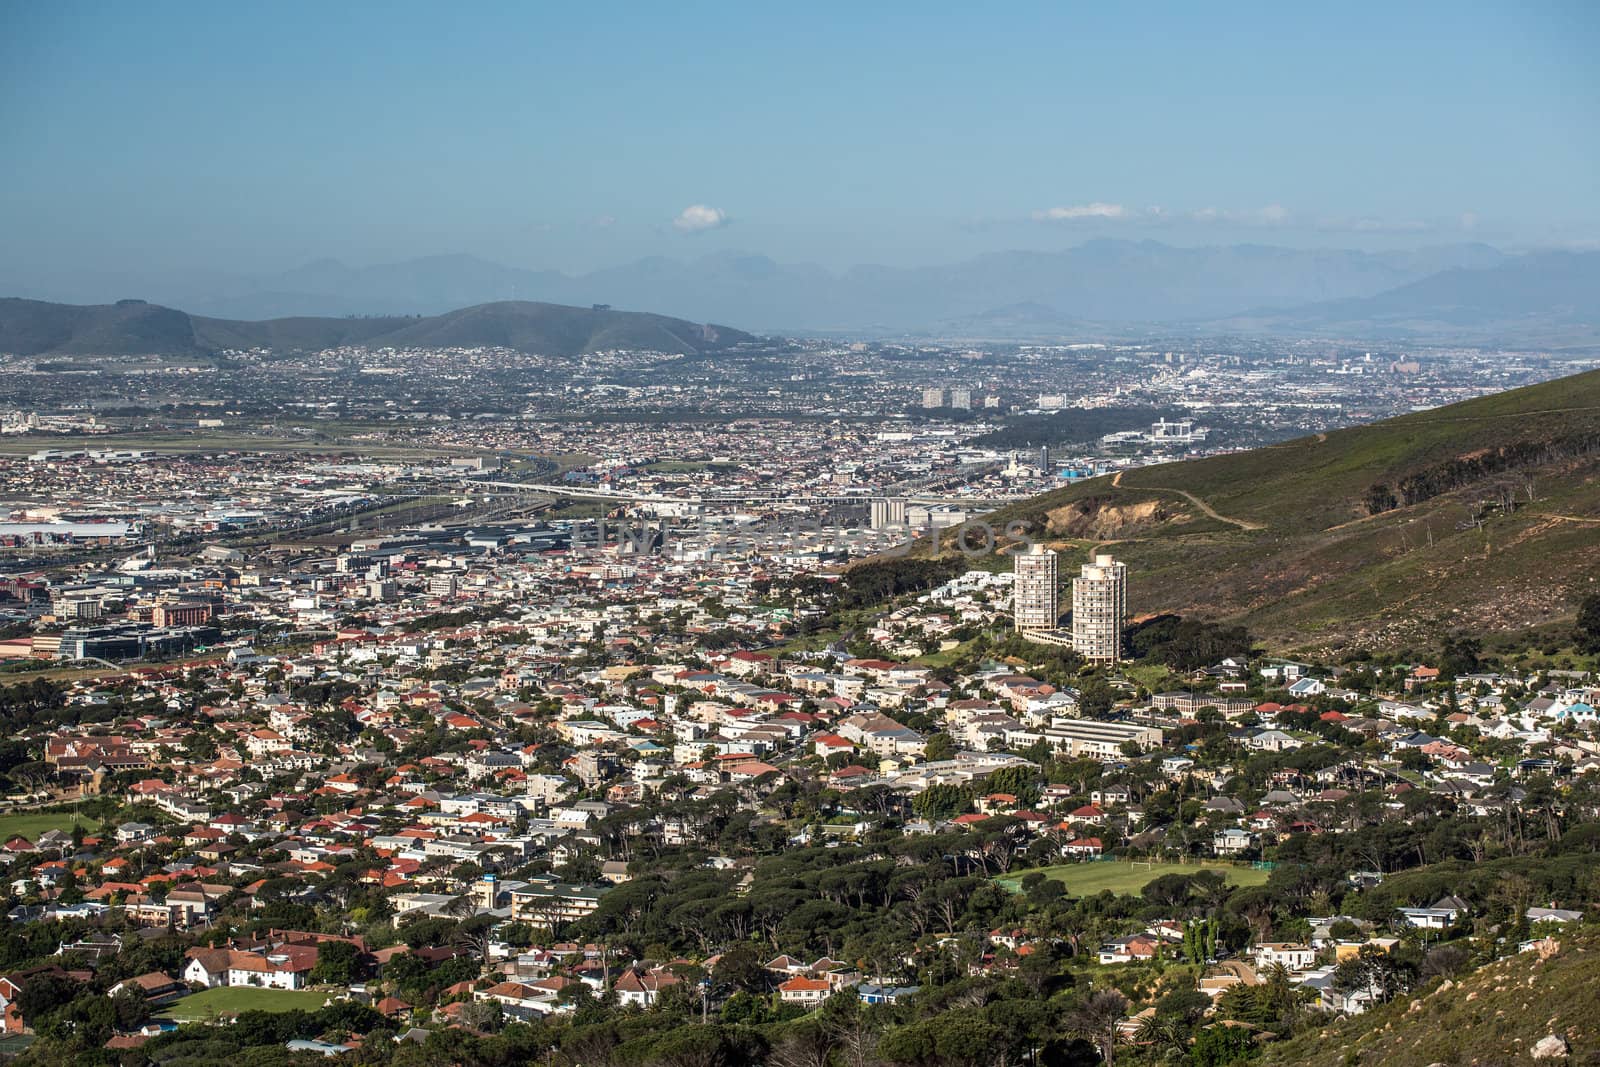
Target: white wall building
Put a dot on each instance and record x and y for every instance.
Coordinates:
(1099, 609)
(1035, 599)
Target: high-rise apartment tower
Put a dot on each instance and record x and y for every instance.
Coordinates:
(1099, 609)
(1035, 603)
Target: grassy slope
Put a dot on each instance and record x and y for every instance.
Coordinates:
(1513, 1004)
(1314, 570)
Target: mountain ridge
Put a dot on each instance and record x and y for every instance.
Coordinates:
(1557, 289)
(136, 327)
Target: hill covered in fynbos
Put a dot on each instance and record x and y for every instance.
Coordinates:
(1482, 516)
(137, 328)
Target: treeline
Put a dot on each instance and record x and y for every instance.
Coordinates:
(1187, 644)
(37, 701)
(257, 1031)
(875, 581)
(1460, 471)
(450, 620)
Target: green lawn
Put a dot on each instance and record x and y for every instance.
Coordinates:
(811, 642)
(31, 824)
(1153, 676)
(570, 461)
(1087, 879)
(231, 1000)
(944, 659)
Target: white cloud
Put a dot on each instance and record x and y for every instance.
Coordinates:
(1096, 210)
(698, 217)
(1271, 216)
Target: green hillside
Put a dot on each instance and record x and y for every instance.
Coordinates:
(32, 327)
(1494, 1015)
(553, 328)
(1481, 516)
(133, 327)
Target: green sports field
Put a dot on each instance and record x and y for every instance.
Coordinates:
(1087, 879)
(231, 1000)
(31, 824)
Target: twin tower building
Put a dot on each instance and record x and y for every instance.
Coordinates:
(1099, 603)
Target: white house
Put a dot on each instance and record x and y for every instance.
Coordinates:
(1307, 687)
(642, 989)
(1445, 911)
(286, 968)
(1272, 741)
(1293, 956)
(1231, 841)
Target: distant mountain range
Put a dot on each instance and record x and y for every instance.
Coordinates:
(1526, 296)
(1110, 287)
(134, 327)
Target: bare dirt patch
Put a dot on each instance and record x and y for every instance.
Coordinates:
(1099, 520)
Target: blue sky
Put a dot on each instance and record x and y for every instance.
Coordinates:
(257, 137)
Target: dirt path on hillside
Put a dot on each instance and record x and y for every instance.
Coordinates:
(1243, 524)
(1511, 414)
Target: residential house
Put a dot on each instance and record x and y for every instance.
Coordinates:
(1291, 955)
(641, 988)
(808, 992)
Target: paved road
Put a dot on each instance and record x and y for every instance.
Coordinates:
(1241, 970)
